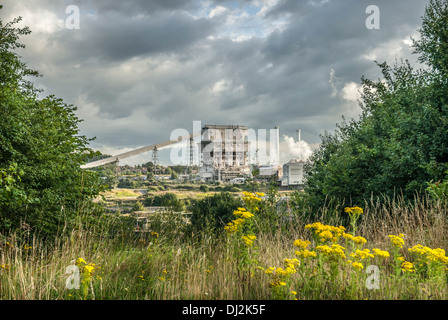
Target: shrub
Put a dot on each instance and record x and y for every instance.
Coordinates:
(165, 200)
(213, 212)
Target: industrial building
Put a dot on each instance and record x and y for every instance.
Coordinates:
(293, 172)
(224, 152)
(232, 151)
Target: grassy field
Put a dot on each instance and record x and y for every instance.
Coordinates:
(169, 264)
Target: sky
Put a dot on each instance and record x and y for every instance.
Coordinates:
(139, 69)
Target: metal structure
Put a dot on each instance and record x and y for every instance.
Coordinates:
(223, 152)
(138, 151)
(155, 156)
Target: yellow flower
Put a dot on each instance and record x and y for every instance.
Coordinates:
(154, 234)
(362, 254)
(303, 244)
(277, 283)
(246, 215)
(354, 211)
(231, 227)
(335, 251)
(348, 236)
(359, 240)
(381, 253)
(270, 270)
(305, 253)
(338, 251)
(426, 254)
(291, 262)
(324, 249)
(407, 266)
(357, 265)
(248, 240)
(5, 267)
(325, 232)
(89, 268)
(397, 241)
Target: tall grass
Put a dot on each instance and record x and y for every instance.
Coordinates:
(171, 264)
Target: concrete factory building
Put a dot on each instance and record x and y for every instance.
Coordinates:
(292, 173)
(224, 152)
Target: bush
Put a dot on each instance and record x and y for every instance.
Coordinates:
(165, 200)
(213, 212)
(439, 190)
(231, 188)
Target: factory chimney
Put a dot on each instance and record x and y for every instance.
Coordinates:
(298, 135)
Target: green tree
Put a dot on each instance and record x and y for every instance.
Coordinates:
(213, 212)
(40, 148)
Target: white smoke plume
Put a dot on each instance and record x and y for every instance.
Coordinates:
(293, 149)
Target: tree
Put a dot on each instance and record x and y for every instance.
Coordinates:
(213, 212)
(400, 141)
(40, 148)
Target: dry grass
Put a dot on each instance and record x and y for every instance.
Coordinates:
(171, 267)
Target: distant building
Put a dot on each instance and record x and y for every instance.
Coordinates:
(292, 174)
(268, 173)
(224, 152)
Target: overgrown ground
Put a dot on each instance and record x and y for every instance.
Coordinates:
(172, 263)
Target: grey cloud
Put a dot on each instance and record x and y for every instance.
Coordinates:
(140, 6)
(281, 79)
(114, 37)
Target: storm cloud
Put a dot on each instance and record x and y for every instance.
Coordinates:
(139, 69)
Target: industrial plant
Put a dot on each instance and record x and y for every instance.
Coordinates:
(230, 153)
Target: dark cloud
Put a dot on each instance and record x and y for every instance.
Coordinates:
(139, 69)
(140, 6)
(117, 37)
